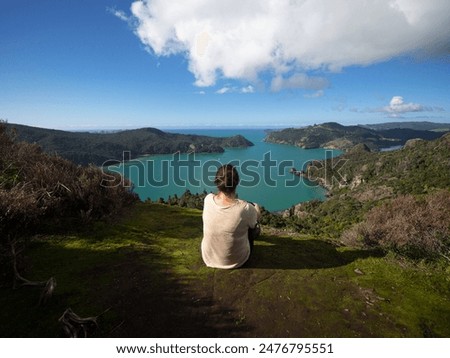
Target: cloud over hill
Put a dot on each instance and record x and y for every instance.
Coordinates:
(287, 40)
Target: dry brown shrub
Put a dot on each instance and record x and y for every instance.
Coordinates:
(42, 193)
(418, 228)
(40, 190)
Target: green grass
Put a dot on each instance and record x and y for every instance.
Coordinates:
(146, 272)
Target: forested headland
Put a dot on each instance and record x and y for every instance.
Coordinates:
(99, 147)
(375, 137)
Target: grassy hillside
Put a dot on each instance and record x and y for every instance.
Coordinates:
(144, 276)
(418, 168)
(97, 148)
(334, 135)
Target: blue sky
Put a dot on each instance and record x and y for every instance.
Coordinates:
(194, 63)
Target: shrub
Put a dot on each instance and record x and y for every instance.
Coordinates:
(417, 228)
(40, 192)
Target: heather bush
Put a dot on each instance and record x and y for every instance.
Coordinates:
(417, 228)
(41, 192)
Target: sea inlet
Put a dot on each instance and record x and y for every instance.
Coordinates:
(266, 171)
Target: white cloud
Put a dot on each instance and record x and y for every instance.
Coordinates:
(237, 39)
(398, 106)
(119, 14)
(224, 90)
(228, 89)
(248, 89)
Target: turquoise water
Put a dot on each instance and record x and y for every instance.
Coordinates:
(263, 168)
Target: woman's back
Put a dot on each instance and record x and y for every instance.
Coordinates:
(225, 232)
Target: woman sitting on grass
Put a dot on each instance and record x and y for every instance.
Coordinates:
(226, 223)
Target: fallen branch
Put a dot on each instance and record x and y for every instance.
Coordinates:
(48, 286)
(47, 291)
(75, 326)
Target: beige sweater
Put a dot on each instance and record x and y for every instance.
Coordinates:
(225, 233)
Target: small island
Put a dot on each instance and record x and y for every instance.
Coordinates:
(296, 172)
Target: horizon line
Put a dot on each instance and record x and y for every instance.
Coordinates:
(212, 127)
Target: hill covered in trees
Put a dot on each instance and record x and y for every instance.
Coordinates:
(336, 136)
(97, 148)
(398, 200)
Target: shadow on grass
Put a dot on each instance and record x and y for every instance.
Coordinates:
(126, 268)
(286, 253)
(154, 302)
(132, 288)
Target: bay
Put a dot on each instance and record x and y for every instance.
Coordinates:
(264, 171)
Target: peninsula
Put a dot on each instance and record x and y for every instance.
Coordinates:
(97, 148)
(336, 136)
